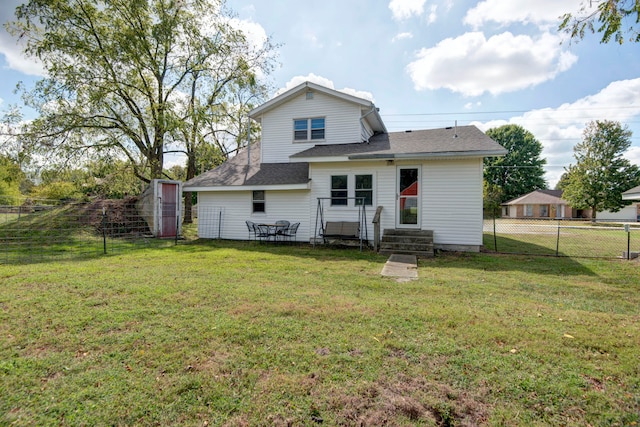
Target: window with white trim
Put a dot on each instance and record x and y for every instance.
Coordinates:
(339, 190)
(308, 129)
(364, 188)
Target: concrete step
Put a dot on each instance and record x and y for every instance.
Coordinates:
(407, 242)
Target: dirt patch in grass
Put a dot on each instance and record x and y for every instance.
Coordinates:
(415, 399)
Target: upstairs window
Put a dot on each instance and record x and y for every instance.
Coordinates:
(308, 129)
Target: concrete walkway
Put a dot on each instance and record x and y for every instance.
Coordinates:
(402, 267)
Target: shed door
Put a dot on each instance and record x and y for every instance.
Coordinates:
(408, 197)
(169, 210)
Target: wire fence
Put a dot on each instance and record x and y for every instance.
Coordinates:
(570, 238)
(44, 230)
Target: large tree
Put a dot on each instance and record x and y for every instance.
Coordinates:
(521, 170)
(601, 173)
(611, 18)
(119, 72)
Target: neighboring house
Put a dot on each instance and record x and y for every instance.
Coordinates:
(324, 151)
(542, 204)
(629, 213)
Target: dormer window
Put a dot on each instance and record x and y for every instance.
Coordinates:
(308, 129)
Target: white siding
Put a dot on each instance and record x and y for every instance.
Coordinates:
(321, 187)
(452, 201)
(342, 125)
(627, 214)
(229, 210)
(451, 197)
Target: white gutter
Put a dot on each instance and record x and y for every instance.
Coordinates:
(281, 187)
(391, 156)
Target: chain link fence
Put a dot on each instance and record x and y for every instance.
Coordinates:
(43, 230)
(570, 238)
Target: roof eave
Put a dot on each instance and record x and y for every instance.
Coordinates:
(225, 188)
(457, 154)
(631, 196)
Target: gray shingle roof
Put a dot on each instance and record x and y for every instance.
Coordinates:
(463, 141)
(469, 141)
(237, 172)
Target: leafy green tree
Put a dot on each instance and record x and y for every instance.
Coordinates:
(492, 198)
(611, 18)
(11, 177)
(601, 173)
(521, 170)
(562, 182)
(119, 72)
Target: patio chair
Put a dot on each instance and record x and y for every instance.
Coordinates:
(251, 226)
(291, 231)
(262, 232)
(282, 226)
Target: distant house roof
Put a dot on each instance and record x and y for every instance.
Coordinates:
(463, 141)
(239, 171)
(539, 197)
(632, 194)
(368, 108)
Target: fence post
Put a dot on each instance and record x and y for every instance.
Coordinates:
(627, 228)
(177, 227)
(558, 240)
(104, 230)
(495, 238)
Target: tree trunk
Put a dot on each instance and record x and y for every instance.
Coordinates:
(188, 200)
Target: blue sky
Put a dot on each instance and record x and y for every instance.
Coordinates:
(430, 63)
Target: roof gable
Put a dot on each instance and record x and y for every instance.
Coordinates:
(539, 197)
(368, 108)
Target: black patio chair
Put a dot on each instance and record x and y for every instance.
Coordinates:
(282, 225)
(263, 232)
(291, 231)
(251, 226)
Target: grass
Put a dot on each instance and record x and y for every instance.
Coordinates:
(224, 333)
(573, 239)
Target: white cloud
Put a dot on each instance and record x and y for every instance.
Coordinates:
(405, 9)
(541, 12)
(322, 81)
(16, 60)
(471, 64)
(559, 129)
(402, 36)
(433, 14)
(254, 32)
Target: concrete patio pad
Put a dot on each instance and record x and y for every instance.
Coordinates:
(402, 267)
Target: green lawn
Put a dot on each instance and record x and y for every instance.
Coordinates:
(573, 239)
(224, 333)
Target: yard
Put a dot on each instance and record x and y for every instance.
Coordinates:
(224, 333)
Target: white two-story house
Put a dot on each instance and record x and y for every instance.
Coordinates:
(327, 156)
